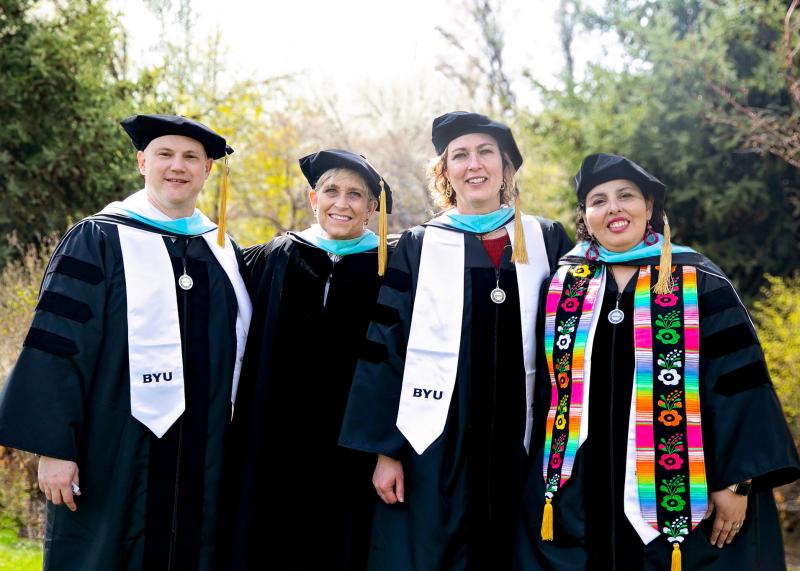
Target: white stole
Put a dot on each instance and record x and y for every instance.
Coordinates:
(434, 340)
(154, 339)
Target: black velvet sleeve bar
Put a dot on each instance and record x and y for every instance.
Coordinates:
(371, 414)
(42, 405)
(744, 431)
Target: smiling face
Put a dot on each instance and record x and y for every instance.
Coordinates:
(174, 168)
(342, 204)
(475, 171)
(616, 214)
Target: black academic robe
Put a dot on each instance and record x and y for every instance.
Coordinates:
(298, 501)
(463, 492)
(744, 436)
(68, 397)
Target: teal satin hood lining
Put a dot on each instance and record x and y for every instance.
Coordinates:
(192, 226)
(477, 223)
(364, 243)
(638, 252)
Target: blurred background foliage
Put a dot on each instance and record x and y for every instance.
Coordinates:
(704, 94)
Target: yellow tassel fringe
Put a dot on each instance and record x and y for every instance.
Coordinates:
(676, 557)
(665, 282)
(223, 205)
(547, 520)
(382, 231)
(519, 254)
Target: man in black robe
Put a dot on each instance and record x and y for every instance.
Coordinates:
(130, 459)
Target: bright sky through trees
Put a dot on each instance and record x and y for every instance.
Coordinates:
(351, 45)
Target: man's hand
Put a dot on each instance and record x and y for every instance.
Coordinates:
(55, 480)
(731, 509)
(388, 480)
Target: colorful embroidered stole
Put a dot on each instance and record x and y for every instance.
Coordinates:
(670, 467)
(570, 315)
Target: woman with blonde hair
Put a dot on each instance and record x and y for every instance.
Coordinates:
(313, 293)
(443, 391)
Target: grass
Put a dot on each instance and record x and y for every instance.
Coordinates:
(19, 554)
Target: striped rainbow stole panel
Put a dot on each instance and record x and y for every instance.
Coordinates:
(569, 308)
(670, 467)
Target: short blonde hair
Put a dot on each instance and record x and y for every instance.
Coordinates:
(336, 171)
(437, 181)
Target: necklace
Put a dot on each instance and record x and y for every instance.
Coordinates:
(616, 315)
(185, 282)
(497, 295)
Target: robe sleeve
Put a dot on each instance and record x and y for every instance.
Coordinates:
(42, 404)
(744, 430)
(371, 415)
(255, 263)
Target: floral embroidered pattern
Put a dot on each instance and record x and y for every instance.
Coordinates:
(666, 300)
(667, 324)
(669, 373)
(566, 329)
(675, 529)
(673, 488)
(552, 485)
(573, 294)
(562, 367)
(670, 459)
(558, 450)
(561, 413)
(581, 271)
(669, 415)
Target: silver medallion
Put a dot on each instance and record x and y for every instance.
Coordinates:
(498, 296)
(615, 316)
(185, 282)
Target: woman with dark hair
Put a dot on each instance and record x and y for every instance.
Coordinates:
(664, 436)
(442, 394)
(313, 294)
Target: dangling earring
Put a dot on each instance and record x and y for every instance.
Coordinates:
(503, 186)
(592, 252)
(650, 237)
(366, 222)
(448, 189)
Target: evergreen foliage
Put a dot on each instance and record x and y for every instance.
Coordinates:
(735, 205)
(61, 149)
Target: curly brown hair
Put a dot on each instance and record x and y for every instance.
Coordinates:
(437, 182)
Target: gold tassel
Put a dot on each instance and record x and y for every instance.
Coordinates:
(665, 282)
(676, 557)
(223, 204)
(547, 520)
(519, 254)
(382, 231)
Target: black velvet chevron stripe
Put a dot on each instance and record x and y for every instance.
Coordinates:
(718, 300)
(742, 379)
(50, 343)
(64, 306)
(397, 279)
(374, 352)
(385, 315)
(728, 341)
(78, 269)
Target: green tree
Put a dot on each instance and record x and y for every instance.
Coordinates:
(62, 152)
(734, 205)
